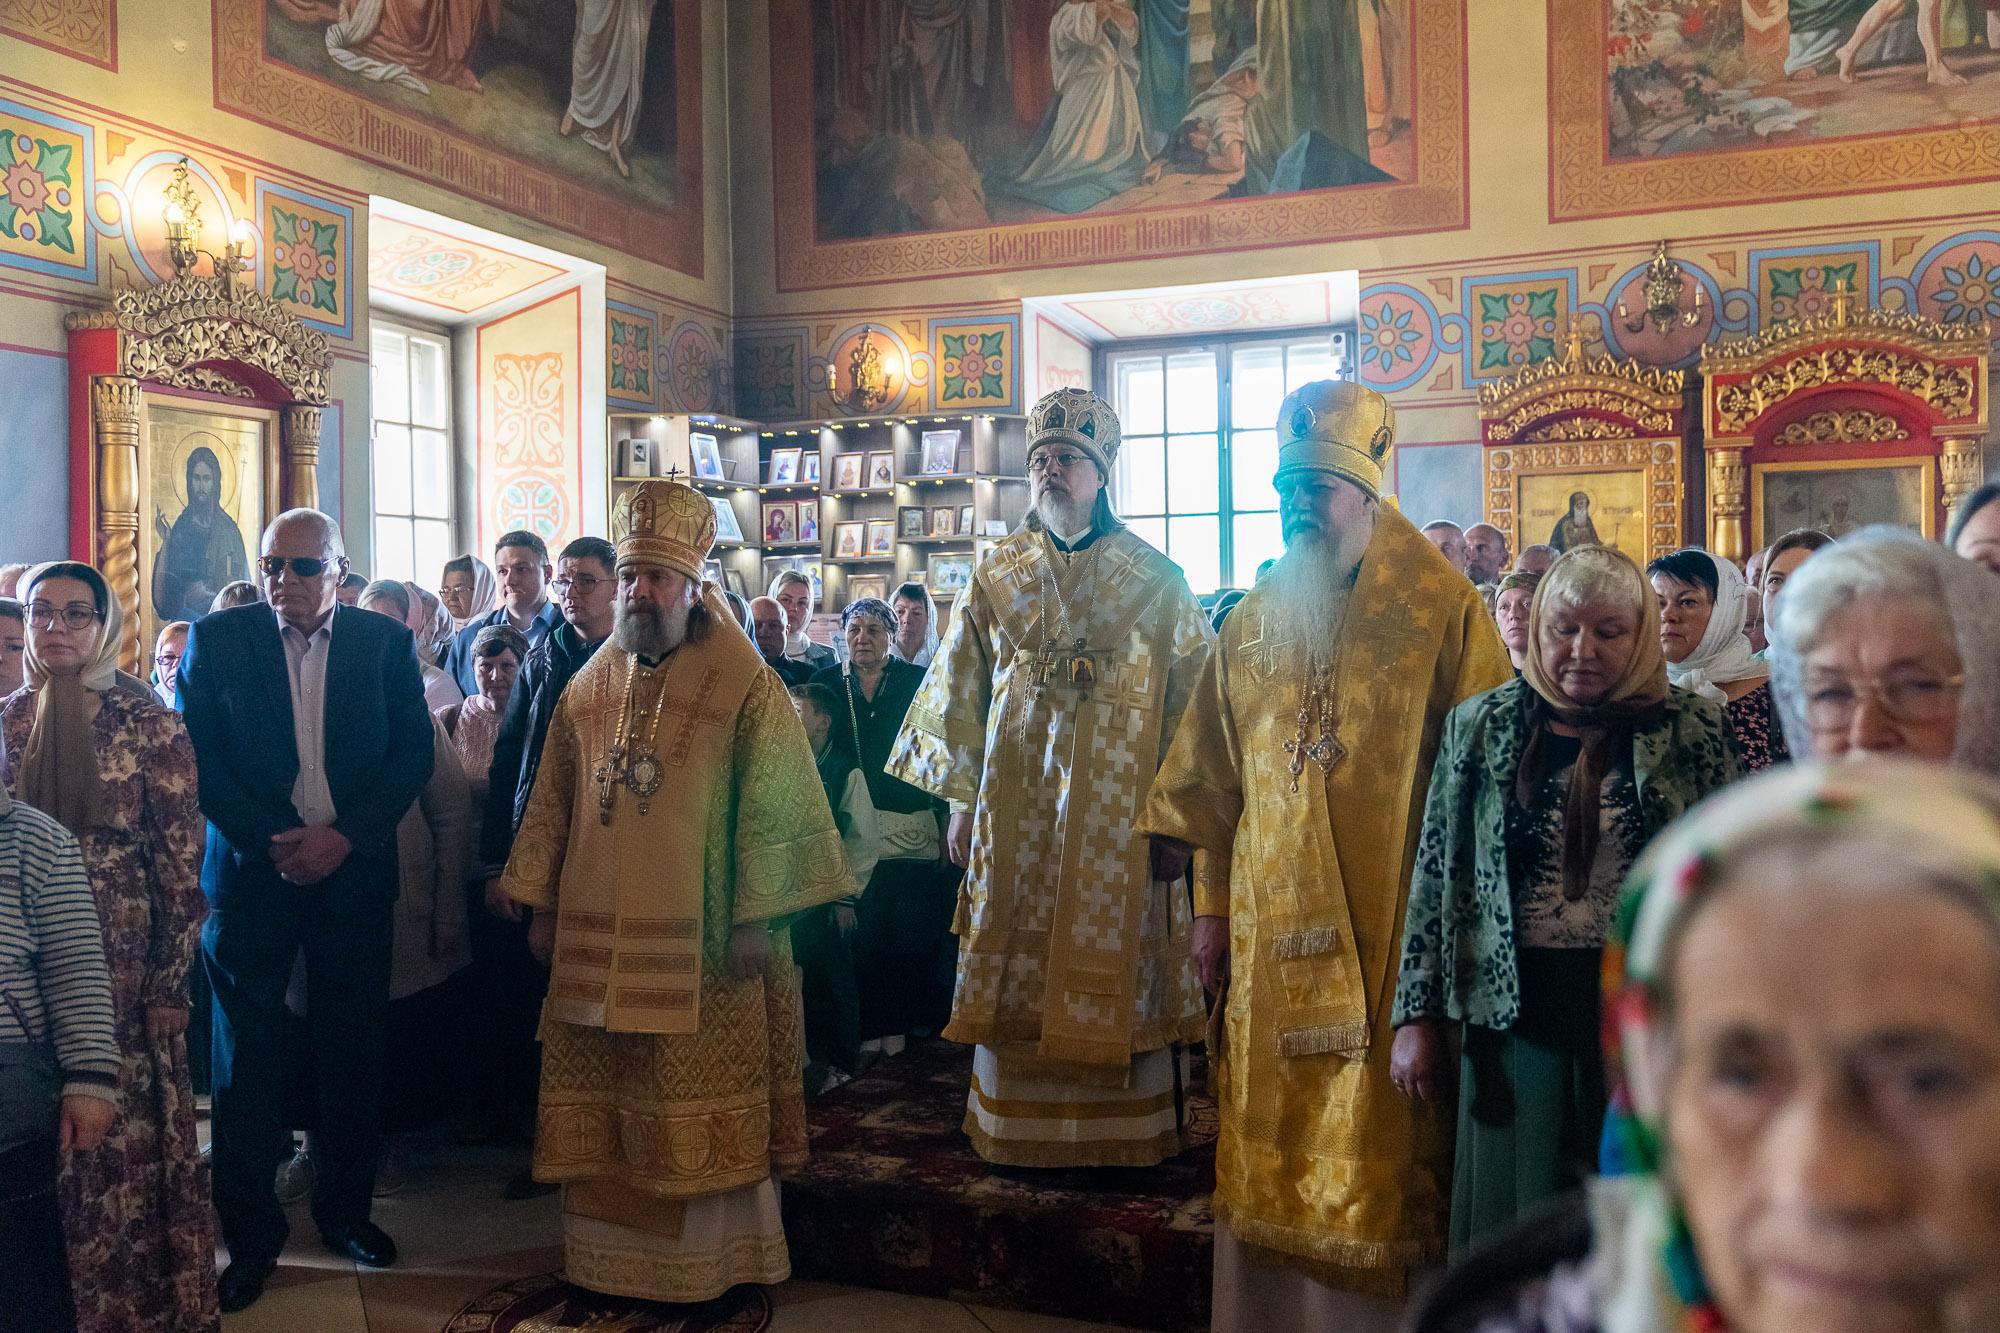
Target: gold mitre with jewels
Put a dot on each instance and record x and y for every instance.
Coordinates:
(1078, 417)
(665, 523)
(1338, 427)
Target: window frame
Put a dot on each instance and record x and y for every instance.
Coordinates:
(413, 332)
(1337, 339)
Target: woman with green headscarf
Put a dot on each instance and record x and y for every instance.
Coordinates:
(1803, 994)
(1544, 793)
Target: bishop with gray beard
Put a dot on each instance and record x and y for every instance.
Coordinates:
(1298, 777)
(1042, 719)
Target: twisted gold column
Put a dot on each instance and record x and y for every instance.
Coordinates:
(114, 410)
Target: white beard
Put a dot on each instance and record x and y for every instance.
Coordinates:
(1308, 587)
(1065, 516)
(649, 631)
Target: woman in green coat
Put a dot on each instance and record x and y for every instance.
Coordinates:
(1544, 793)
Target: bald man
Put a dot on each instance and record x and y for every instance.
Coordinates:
(767, 631)
(1449, 538)
(302, 799)
(1486, 552)
(1535, 559)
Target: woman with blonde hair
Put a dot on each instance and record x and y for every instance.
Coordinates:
(1544, 793)
(118, 771)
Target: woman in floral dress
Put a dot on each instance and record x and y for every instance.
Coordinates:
(118, 771)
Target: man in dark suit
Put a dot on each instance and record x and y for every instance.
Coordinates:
(311, 741)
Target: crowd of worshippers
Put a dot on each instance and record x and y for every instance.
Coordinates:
(1530, 1002)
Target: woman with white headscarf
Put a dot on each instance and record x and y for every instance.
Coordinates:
(1704, 604)
(1886, 643)
(118, 771)
(468, 590)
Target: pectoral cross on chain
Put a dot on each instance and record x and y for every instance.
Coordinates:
(1324, 752)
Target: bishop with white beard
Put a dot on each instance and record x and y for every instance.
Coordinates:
(1042, 720)
(1298, 777)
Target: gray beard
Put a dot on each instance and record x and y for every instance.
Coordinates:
(649, 631)
(1065, 516)
(1309, 586)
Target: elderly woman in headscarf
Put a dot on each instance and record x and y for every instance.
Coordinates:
(394, 599)
(916, 639)
(1544, 793)
(905, 914)
(467, 589)
(429, 623)
(1704, 607)
(1814, 1132)
(473, 725)
(1887, 644)
(117, 770)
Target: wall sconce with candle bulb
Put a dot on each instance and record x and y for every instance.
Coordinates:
(1662, 293)
(182, 215)
(870, 373)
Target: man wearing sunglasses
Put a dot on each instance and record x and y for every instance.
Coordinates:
(312, 740)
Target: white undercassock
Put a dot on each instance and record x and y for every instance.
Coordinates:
(608, 68)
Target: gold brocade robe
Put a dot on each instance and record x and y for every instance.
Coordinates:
(1053, 953)
(1319, 1156)
(739, 832)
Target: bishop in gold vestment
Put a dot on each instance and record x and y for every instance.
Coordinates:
(677, 822)
(1043, 719)
(1299, 775)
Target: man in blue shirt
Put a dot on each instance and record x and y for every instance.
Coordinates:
(521, 566)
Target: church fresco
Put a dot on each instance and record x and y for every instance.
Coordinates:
(586, 116)
(1225, 123)
(1789, 98)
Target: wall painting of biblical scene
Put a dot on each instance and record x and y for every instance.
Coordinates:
(943, 137)
(1780, 98)
(585, 115)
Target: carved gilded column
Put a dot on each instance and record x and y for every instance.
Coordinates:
(1959, 471)
(114, 411)
(299, 436)
(1727, 478)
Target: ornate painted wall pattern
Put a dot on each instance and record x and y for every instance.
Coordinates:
(770, 370)
(1440, 335)
(692, 371)
(1778, 100)
(86, 29)
(976, 364)
(82, 202)
(307, 255)
(529, 464)
(1039, 132)
(45, 173)
(628, 354)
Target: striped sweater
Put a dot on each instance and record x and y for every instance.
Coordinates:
(52, 962)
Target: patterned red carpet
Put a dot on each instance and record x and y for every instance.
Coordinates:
(894, 1198)
(547, 1304)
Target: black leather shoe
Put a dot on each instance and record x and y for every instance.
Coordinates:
(363, 1242)
(242, 1283)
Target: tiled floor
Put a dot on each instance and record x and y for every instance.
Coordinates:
(459, 1239)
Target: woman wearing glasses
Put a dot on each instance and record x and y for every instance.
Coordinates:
(116, 769)
(1885, 644)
